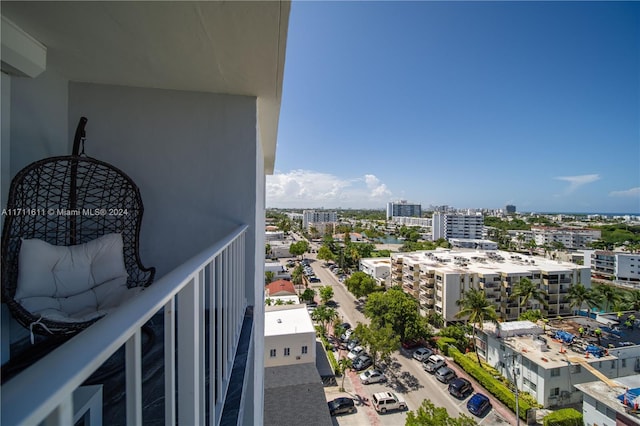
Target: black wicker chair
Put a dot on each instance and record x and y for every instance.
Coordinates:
(65, 201)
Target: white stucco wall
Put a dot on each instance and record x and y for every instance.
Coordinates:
(193, 156)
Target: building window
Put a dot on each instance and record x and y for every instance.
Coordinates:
(554, 392)
(576, 369)
(287, 351)
(555, 372)
(624, 363)
(304, 350)
(613, 363)
(272, 353)
(530, 384)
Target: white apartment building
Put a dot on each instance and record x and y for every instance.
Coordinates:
(438, 279)
(403, 208)
(454, 225)
(280, 249)
(549, 368)
(378, 268)
(617, 266)
(316, 217)
(289, 336)
(571, 238)
(473, 244)
(423, 222)
(273, 236)
(604, 405)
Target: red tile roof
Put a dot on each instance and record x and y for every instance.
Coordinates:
(280, 288)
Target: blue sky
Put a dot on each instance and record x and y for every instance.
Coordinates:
(466, 104)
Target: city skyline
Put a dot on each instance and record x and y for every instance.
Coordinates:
(465, 104)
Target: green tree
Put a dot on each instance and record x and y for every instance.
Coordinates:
(267, 250)
(308, 294)
(608, 296)
(324, 253)
(531, 315)
(476, 309)
(324, 315)
(299, 248)
(579, 295)
(458, 332)
(285, 224)
(344, 364)
(326, 293)
(399, 310)
(360, 284)
(430, 415)
(526, 290)
(380, 342)
(297, 275)
(633, 297)
(268, 276)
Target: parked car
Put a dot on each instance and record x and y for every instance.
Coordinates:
(345, 325)
(479, 405)
(386, 401)
(412, 343)
(332, 304)
(433, 363)
(422, 353)
(346, 335)
(372, 376)
(362, 362)
(445, 374)
(314, 280)
(356, 352)
(460, 387)
(353, 343)
(341, 405)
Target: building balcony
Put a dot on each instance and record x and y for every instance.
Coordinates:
(203, 310)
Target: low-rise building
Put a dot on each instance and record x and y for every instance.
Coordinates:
(289, 336)
(611, 405)
(551, 358)
(570, 238)
(473, 243)
(378, 268)
(623, 268)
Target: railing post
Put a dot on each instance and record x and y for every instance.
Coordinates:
(133, 362)
(170, 363)
(188, 357)
(62, 415)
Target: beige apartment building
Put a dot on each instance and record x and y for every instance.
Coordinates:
(439, 278)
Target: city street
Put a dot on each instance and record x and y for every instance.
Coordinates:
(405, 375)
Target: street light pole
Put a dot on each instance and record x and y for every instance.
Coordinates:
(514, 370)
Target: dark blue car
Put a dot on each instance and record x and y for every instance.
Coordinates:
(478, 404)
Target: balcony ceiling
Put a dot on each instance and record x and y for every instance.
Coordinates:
(232, 47)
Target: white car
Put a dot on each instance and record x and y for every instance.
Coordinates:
(422, 353)
(372, 376)
(356, 352)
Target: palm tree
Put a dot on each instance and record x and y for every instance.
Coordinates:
(579, 295)
(608, 295)
(324, 315)
(526, 290)
(633, 297)
(269, 276)
(343, 365)
(477, 309)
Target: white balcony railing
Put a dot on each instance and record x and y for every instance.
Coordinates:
(213, 278)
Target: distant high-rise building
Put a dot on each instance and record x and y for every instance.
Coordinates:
(510, 209)
(450, 225)
(314, 217)
(403, 208)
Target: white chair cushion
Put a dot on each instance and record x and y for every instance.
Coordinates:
(72, 283)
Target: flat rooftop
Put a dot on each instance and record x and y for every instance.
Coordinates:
(287, 319)
(539, 342)
(610, 395)
(484, 261)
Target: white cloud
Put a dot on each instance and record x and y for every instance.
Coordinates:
(633, 192)
(576, 182)
(306, 188)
